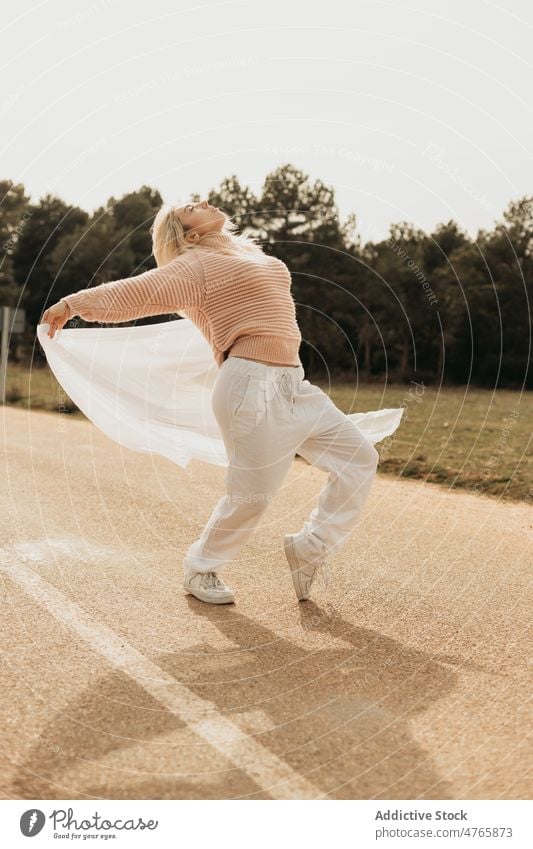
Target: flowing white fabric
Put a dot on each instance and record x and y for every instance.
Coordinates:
(149, 388)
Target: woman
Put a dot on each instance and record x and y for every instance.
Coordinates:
(240, 300)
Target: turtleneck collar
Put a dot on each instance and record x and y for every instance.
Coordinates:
(217, 241)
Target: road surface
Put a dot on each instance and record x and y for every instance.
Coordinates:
(405, 679)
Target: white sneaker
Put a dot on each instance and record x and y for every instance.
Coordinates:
(208, 586)
(303, 574)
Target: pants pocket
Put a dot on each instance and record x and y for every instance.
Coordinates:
(230, 394)
(241, 392)
(244, 407)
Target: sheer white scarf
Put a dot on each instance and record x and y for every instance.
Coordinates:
(149, 388)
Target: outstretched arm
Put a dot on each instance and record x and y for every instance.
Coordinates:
(179, 284)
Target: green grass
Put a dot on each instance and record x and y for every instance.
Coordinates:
(37, 389)
(459, 437)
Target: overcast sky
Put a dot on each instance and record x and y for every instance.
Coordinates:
(413, 110)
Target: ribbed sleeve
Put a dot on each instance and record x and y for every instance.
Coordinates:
(179, 284)
(241, 302)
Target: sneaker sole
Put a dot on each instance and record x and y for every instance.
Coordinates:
(223, 598)
(301, 593)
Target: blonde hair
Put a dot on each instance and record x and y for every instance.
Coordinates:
(168, 237)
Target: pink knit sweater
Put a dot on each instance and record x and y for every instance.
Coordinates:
(241, 303)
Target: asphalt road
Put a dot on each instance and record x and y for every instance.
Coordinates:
(406, 679)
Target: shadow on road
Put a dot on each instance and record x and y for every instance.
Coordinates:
(340, 717)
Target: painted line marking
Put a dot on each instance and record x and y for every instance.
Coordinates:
(267, 770)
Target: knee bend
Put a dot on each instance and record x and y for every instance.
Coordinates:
(363, 466)
(250, 502)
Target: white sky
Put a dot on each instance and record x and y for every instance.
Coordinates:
(416, 110)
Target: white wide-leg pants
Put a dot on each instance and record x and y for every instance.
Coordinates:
(268, 414)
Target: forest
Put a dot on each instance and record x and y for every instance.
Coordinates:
(438, 308)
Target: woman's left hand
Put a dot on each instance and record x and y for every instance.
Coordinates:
(56, 316)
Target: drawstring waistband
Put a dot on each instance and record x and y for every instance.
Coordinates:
(286, 383)
(268, 390)
(269, 378)
(261, 370)
(287, 387)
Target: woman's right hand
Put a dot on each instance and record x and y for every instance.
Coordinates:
(56, 316)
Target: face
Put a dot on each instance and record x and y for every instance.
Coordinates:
(201, 218)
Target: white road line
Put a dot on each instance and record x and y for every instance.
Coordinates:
(41, 550)
(270, 773)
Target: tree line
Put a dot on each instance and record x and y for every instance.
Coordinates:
(435, 308)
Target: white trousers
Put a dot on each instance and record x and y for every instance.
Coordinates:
(268, 414)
